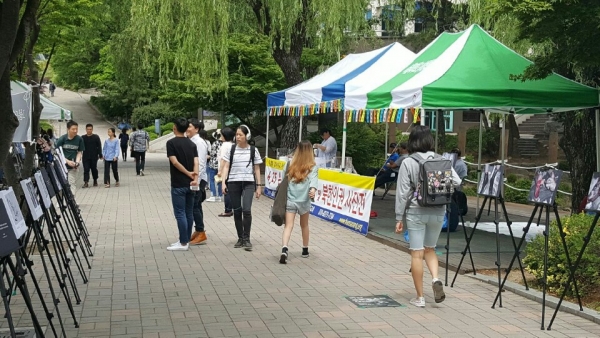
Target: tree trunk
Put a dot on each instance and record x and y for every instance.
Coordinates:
(579, 144)
(441, 130)
(8, 120)
(486, 122)
(35, 97)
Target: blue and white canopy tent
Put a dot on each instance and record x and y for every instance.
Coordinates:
(325, 92)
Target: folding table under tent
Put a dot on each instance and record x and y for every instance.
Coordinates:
(325, 92)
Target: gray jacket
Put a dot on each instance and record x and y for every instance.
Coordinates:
(405, 189)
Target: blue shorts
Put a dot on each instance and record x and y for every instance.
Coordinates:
(423, 230)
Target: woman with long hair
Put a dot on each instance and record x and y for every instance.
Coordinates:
(110, 153)
(241, 180)
(424, 223)
(301, 172)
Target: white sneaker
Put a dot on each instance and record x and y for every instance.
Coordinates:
(438, 290)
(173, 244)
(178, 247)
(218, 199)
(418, 302)
(211, 199)
(142, 172)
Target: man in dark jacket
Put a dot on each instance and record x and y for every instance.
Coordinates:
(91, 154)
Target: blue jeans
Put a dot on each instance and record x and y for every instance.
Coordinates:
(215, 189)
(183, 208)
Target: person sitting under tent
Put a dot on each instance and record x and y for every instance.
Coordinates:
(389, 171)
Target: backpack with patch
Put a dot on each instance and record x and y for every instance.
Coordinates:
(434, 183)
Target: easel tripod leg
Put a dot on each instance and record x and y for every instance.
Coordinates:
(469, 238)
(565, 247)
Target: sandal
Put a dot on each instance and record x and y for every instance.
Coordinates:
(226, 214)
(117, 184)
(107, 185)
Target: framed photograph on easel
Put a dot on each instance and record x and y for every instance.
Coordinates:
(544, 186)
(32, 199)
(490, 183)
(593, 197)
(14, 211)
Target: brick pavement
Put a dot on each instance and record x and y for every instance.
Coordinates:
(139, 289)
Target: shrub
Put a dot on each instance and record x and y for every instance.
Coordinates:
(153, 136)
(147, 114)
(576, 228)
(515, 196)
(490, 142)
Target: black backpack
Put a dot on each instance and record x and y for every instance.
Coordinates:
(434, 184)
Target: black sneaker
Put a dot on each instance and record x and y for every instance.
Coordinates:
(239, 243)
(247, 245)
(284, 255)
(305, 253)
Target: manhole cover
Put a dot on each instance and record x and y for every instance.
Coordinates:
(373, 301)
(21, 333)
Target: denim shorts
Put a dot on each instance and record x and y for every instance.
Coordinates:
(423, 230)
(297, 208)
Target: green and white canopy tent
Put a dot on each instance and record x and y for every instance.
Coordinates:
(468, 70)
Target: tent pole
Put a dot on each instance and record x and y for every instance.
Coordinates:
(422, 116)
(300, 132)
(437, 132)
(597, 139)
(267, 137)
(387, 131)
(503, 147)
(343, 165)
(479, 158)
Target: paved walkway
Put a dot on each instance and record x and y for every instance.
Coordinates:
(139, 289)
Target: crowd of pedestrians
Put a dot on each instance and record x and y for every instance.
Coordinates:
(230, 169)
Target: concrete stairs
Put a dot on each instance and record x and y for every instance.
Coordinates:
(528, 147)
(534, 126)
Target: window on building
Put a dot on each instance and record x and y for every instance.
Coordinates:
(471, 116)
(369, 15)
(431, 121)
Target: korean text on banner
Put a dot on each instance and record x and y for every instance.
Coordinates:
(344, 199)
(273, 176)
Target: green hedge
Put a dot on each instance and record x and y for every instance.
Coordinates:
(576, 227)
(147, 114)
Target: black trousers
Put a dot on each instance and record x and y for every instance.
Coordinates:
(90, 164)
(124, 151)
(140, 160)
(115, 170)
(242, 194)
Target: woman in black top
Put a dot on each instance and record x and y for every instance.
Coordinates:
(124, 137)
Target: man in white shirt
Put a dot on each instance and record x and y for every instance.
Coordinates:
(199, 236)
(327, 150)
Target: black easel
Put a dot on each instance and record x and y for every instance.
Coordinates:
(497, 201)
(18, 274)
(541, 207)
(571, 279)
(464, 229)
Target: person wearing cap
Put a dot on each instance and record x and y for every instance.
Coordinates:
(389, 172)
(328, 148)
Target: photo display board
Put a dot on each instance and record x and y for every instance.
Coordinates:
(544, 186)
(593, 197)
(490, 183)
(47, 183)
(13, 210)
(32, 199)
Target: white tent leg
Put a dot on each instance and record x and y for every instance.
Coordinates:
(387, 131)
(438, 114)
(267, 137)
(343, 164)
(479, 158)
(300, 132)
(422, 116)
(503, 150)
(597, 139)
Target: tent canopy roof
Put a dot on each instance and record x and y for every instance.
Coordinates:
(471, 69)
(353, 72)
(465, 70)
(51, 110)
